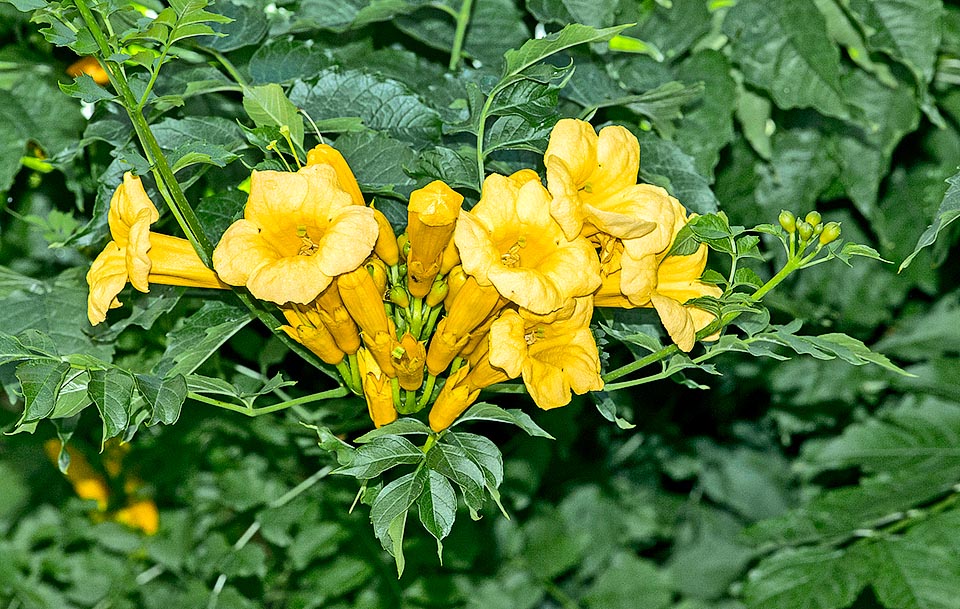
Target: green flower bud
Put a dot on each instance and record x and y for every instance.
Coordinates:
(437, 293)
(813, 218)
(805, 230)
(403, 244)
(788, 221)
(817, 229)
(399, 296)
(831, 232)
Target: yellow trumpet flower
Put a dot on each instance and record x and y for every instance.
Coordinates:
(299, 231)
(376, 389)
(365, 305)
(138, 255)
(432, 217)
(510, 241)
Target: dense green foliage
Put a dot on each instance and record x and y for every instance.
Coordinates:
(733, 478)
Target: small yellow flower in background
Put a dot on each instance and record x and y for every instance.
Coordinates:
(138, 255)
(432, 217)
(89, 484)
(593, 180)
(91, 67)
(509, 240)
(299, 231)
(376, 389)
(553, 358)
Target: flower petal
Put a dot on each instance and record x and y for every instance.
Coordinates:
(106, 278)
(242, 251)
(348, 240)
(508, 347)
(128, 206)
(677, 321)
(297, 279)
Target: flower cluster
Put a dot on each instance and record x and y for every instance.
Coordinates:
(501, 291)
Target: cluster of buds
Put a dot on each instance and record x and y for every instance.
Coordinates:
(809, 228)
(462, 298)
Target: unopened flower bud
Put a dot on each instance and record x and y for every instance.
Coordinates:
(403, 244)
(818, 229)
(378, 270)
(813, 218)
(831, 232)
(788, 221)
(805, 230)
(437, 293)
(398, 296)
(386, 245)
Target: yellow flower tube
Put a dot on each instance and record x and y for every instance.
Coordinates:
(376, 389)
(365, 305)
(138, 255)
(325, 154)
(432, 217)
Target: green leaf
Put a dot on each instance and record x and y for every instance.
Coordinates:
(404, 426)
(911, 574)
(268, 106)
(664, 164)
(282, 61)
(925, 434)
(906, 30)
(629, 582)
(40, 381)
(489, 412)
(200, 336)
(392, 502)
(83, 87)
(437, 508)
(164, 395)
(483, 452)
(73, 396)
(534, 51)
(111, 390)
(800, 169)
(454, 463)
(673, 27)
(378, 162)
(11, 350)
(456, 168)
(783, 48)
(239, 25)
(948, 212)
(382, 103)
(708, 127)
(805, 578)
(383, 453)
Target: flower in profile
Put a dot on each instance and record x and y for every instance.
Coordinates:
(376, 389)
(553, 358)
(138, 255)
(364, 303)
(641, 274)
(299, 231)
(593, 180)
(509, 240)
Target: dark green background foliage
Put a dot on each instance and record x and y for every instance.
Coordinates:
(806, 483)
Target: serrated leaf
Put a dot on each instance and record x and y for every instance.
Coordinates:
(200, 336)
(383, 104)
(925, 434)
(456, 168)
(40, 381)
(805, 578)
(948, 212)
(910, 574)
(73, 396)
(534, 51)
(393, 501)
(783, 47)
(664, 164)
(164, 395)
(283, 61)
(83, 87)
(437, 508)
(403, 426)
(481, 451)
(11, 350)
(608, 409)
(111, 390)
(383, 453)
(378, 162)
(237, 25)
(489, 412)
(453, 462)
(906, 30)
(268, 106)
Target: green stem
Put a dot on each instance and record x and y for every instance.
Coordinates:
(463, 18)
(255, 412)
(431, 440)
(431, 321)
(481, 128)
(300, 488)
(153, 79)
(428, 386)
(229, 67)
(356, 379)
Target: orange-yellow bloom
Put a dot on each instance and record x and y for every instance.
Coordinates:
(593, 180)
(647, 277)
(325, 154)
(510, 241)
(138, 255)
(307, 328)
(365, 305)
(472, 305)
(91, 67)
(376, 389)
(299, 231)
(432, 217)
(409, 362)
(553, 358)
